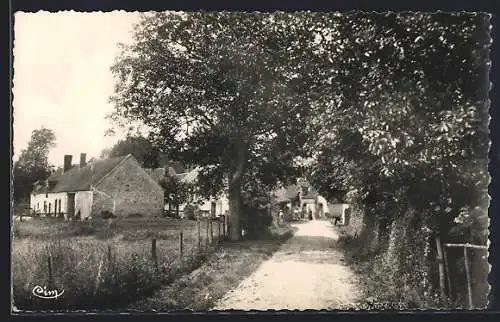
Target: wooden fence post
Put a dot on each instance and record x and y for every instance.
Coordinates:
(154, 256)
(198, 224)
(51, 278)
(181, 250)
(211, 231)
(110, 257)
(218, 231)
(223, 227)
(467, 272)
(447, 270)
(439, 250)
(206, 242)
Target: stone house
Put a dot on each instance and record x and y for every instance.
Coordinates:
(302, 201)
(116, 185)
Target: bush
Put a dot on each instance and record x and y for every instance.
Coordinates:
(135, 215)
(190, 211)
(107, 214)
(256, 221)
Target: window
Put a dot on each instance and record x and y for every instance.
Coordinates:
(49, 207)
(45, 206)
(60, 209)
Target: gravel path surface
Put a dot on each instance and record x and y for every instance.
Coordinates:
(307, 272)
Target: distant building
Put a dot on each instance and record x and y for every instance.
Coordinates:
(116, 185)
(217, 206)
(302, 201)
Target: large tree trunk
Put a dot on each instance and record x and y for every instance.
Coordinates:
(235, 211)
(235, 180)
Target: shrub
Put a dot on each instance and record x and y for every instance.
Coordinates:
(107, 214)
(135, 215)
(190, 211)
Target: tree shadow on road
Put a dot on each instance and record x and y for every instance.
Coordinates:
(311, 249)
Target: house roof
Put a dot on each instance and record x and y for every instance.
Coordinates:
(286, 194)
(289, 192)
(189, 177)
(81, 179)
(311, 194)
(157, 174)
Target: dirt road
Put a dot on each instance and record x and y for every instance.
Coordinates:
(307, 272)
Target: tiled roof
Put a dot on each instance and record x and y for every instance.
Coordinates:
(312, 194)
(189, 177)
(80, 179)
(159, 173)
(286, 193)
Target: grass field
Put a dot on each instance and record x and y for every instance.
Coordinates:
(101, 264)
(222, 271)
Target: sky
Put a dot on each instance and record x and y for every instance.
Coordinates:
(62, 78)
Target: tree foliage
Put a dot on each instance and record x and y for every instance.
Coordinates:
(140, 147)
(409, 114)
(392, 107)
(33, 164)
(176, 192)
(225, 91)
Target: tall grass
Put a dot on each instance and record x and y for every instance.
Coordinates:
(99, 264)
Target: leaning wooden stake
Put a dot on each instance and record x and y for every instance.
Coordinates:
(440, 260)
(467, 272)
(447, 269)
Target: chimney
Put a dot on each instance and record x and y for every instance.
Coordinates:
(83, 159)
(67, 162)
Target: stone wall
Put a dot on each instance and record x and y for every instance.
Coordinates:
(132, 190)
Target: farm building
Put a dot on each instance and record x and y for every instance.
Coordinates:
(303, 201)
(216, 206)
(117, 185)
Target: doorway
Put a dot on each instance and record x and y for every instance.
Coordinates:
(213, 208)
(71, 204)
(321, 211)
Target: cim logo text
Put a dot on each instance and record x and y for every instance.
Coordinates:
(44, 293)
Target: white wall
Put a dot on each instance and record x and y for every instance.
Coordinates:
(221, 205)
(83, 203)
(339, 209)
(37, 201)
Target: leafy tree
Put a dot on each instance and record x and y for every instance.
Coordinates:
(140, 147)
(33, 164)
(226, 91)
(415, 87)
(176, 192)
(409, 122)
